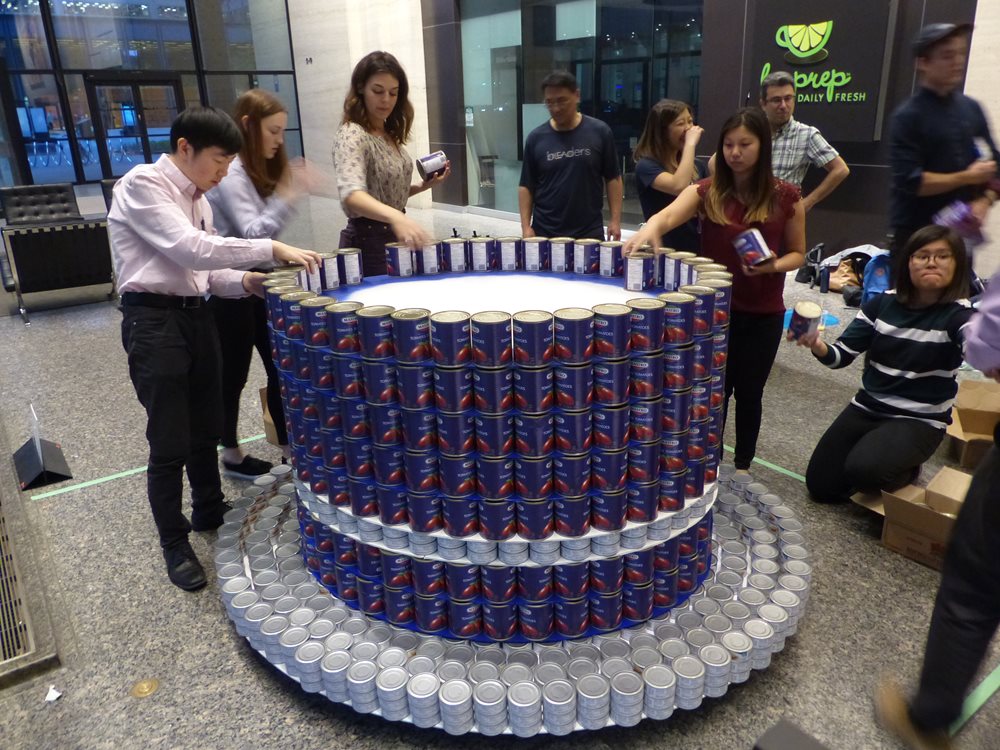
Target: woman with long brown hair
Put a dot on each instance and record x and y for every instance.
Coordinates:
(374, 169)
(743, 194)
(665, 165)
(256, 199)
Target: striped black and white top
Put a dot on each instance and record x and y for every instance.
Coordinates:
(912, 357)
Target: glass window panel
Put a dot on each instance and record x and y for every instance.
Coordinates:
(224, 90)
(243, 34)
(192, 94)
(125, 35)
(293, 143)
(43, 128)
(86, 141)
(159, 108)
(116, 108)
(22, 38)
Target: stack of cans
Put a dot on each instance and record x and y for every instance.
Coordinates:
(489, 704)
(740, 647)
(524, 708)
(559, 707)
(690, 672)
(626, 698)
(762, 635)
(391, 688)
(361, 686)
(456, 706)
(718, 668)
(422, 697)
(658, 696)
(307, 666)
(593, 699)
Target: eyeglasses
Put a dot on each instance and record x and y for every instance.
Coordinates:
(562, 101)
(781, 99)
(922, 259)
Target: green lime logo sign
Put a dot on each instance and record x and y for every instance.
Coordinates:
(804, 41)
(805, 47)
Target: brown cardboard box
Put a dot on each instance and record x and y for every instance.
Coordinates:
(946, 491)
(269, 432)
(975, 414)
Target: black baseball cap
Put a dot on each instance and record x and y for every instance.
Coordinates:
(933, 33)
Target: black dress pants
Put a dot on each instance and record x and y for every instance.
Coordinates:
(967, 607)
(242, 327)
(753, 345)
(862, 451)
(173, 361)
(370, 237)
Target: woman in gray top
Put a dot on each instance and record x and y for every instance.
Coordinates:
(254, 200)
(374, 170)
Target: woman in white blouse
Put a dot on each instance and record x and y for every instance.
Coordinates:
(254, 200)
(374, 170)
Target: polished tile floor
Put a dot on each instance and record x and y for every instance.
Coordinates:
(117, 619)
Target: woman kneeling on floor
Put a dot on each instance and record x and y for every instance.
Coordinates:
(912, 337)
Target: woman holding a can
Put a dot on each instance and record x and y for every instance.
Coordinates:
(912, 339)
(666, 165)
(254, 200)
(743, 194)
(374, 170)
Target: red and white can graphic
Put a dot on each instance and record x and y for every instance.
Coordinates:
(411, 335)
(573, 430)
(456, 433)
(704, 308)
(534, 341)
(571, 473)
(453, 255)
(450, 335)
(492, 339)
(534, 434)
(533, 389)
(646, 419)
(612, 330)
(574, 386)
(375, 331)
(678, 314)
(611, 382)
(483, 254)
(723, 299)
(342, 321)
(574, 335)
(495, 434)
(751, 247)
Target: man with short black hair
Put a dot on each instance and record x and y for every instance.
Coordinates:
(940, 146)
(167, 260)
(569, 161)
(795, 145)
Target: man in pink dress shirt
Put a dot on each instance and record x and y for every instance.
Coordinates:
(167, 260)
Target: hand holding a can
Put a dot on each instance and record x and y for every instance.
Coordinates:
(253, 283)
(433, 179)
(409, 232)
(288, 255)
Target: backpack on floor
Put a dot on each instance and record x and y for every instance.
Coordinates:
(876, 277)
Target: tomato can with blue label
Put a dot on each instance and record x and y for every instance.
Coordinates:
(291, 313)
(344, 549)
(723, 299)
(421, 469)
(392, 504)
(639, 567)
(687, 574)
(375, 331)
(321, 366)
(510, 251)
(703, 349)
(348, 377)
(673, 451)
(492, 339)
(640, 272)
(453, 255)
(499, 620)
(342, 323)
(561, 252)
(611, 382)
(533, 389)
(281, 353)
(720, 348)
(386, 427)
(428, 576)
(494, 434)
(497, 519)
(534, 583)
(694, 480)
(461, 515)
(370, 592)
(456, 433)
(572, 515)
(339, 494)
(493, 389)
(533, 477)
(612, 330)
(646, 324)
(536, 620)
(358, 457)
(612, 260)
(678, 367)
(606, 611)
(347, 583)
(537, 254)
(608, 510)
(428, 259)
(646, 418)
(495, 477)
(415, 384)
(712, 461)
(535, 518)
(465, 618)
(333, 448)
(411, 335)
(637, 601)
(388, 463)
(313, 315)
(499, 584)
(398, 259)
(571, 580)
(646, 375)
(380, 381)
(484, 255)
(419, 428)
(571, 473)
(573, 430)
(643, 461)
(678, 317)
(574, 335)
(587, 257)
(399, 608)
(718, 393)
(349, 268)
(397, 571)
(364, 501)
(369, 561)
(572, 616)
(328, 406)
(574, 386)
(302, 369)
(450, 337)
(673, 276)
(643, 501)
(462, 580)
(672, 490)
(423, 511)
(431, 613)
(676, 410)
(272, 299)
(457, 476)
(611, 427)
(453, 389)
(701, 400)
(703, 318)
(534, 434)
(534, 341)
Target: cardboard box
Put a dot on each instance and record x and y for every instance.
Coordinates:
(947, 490)
(975, 414)
(269, 432)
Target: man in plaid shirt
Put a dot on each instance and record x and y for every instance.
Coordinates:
(795, 145)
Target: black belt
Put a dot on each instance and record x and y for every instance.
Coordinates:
(364, 223)
(148, 299)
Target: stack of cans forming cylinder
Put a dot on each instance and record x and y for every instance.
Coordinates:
(524, 708)
(559, 706)
(658, 696)
(489, 703)
(690, 673)
(422, 698)
(626, 698)
(718, 669)
(456, 706)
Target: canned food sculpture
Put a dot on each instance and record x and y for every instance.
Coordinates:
(527, 481)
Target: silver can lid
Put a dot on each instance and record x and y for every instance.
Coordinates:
(490, 693)
(717, 624)
(689, 667)
(559, 693)
(406, 641)
(310, 652)
(585, 651)
(527, 658)
(627, 683)
(515, 673)
(554, 656)
(451, 670)
(336, 661)
(549, 672)
(698, 637)
(420, 665)
(482, 671)
(491, 654)
(736, 610)
(758, 629)
(666, 630)
(354, 626)
(672, 648)
(460, 652)
(362, 672)
(751, 597)
(339, 641)
(614, 648)
(246, 599)
(302, 617)
(659, 676)
(524, 694)
(391, 657)
(392, 678)
(433, 649)
(423, 685)
(286, 605)
(580, 668)
(706, 607)
(772, 613)
(237, 583)
(258, 612)
(714, 655)
(365, 651)
(593, 687)
(294, 637)
(737, 642)
(274, 624)
(321, 628)
(781, 597)
(455, 693)
(614, 666)
(798, 568)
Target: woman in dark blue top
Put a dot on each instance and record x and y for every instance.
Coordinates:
(665, 165)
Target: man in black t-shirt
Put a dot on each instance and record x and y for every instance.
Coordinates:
(568, 161)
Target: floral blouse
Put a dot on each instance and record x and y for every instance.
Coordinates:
(365, 161)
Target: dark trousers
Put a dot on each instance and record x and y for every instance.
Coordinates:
(242, 327)
(967, 608)
(862, 451)
(174, 364)
(753, 345)
(370, 237)
(594, 233)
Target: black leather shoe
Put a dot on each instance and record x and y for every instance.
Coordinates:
(183, 567)
(210, 521)
(249, 468)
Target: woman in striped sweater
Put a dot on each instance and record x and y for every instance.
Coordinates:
(912, 340)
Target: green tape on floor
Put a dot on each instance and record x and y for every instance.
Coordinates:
(773, 467)
(112, 477)
(977, 699)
